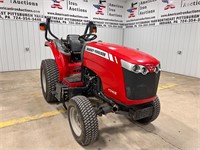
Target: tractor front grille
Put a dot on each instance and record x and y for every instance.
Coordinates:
(139, 86)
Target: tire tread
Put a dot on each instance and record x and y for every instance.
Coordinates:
(52, 77)
(156, 112)
(89, 119)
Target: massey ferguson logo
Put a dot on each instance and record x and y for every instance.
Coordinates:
(151, 68)
(132, 10)
(169, 4)
(56, 4)
(100, 7)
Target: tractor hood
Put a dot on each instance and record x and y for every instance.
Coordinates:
(125, 53)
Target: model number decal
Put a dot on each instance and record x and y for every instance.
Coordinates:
(112, 91)
(97, 52)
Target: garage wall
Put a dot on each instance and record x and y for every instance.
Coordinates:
(22, 44)
(165, 41)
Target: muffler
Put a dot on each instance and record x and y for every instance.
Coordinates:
(106, 108)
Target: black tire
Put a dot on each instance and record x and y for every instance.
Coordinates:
(83, 120)
(49, 77)
(156, 112)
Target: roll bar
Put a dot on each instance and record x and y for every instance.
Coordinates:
(47, 28)
(91, 27)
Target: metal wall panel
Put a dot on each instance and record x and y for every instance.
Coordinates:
(165, 41)
(22, 44)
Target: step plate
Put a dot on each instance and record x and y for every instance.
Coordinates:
(74, 78)
(74, 81)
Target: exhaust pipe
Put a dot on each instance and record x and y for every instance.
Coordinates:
(106, 108)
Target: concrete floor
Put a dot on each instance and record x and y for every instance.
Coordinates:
(178, 126)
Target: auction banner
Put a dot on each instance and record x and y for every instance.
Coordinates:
(110, 13)
(67, 11)
(31, 10)
(179, 11)
(107, 13)
(141, 13)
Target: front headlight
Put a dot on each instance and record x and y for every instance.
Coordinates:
(134, 68)
(158, 68)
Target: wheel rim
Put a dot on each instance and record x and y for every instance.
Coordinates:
(75, 121)
(44, 85)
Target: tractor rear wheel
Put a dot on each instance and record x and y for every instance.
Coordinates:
(156, 112)
(83, 120)
(49, 77)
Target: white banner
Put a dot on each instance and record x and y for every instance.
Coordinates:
(67, 11)
(179, 11)
(21, 10)
(108, 13)
(157, 12)
(140, 11)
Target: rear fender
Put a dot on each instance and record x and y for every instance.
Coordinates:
(62, 61)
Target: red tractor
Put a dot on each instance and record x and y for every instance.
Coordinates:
(122, 80)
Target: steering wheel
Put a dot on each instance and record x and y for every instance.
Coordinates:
(88, 37)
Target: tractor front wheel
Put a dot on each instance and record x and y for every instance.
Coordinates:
(156, 112)
(83, 120)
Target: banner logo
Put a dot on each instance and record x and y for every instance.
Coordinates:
(100, 7)
(169, 4)
(56, 4)
(132, 10)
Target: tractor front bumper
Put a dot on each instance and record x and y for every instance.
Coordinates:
(141, 113)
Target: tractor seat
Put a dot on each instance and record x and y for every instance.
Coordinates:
(74, 44)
